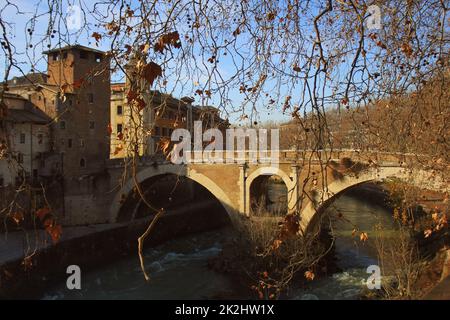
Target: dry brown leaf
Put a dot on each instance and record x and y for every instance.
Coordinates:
(363, 237)
(309, 275)
(151, 71)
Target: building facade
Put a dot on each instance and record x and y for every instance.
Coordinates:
(155, 123)
(75, 94)
(29, 157)
(74, 98)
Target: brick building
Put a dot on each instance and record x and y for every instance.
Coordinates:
(75, 94)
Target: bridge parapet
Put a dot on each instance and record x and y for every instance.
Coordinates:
(277, 157)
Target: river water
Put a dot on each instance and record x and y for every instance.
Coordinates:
(179, 268)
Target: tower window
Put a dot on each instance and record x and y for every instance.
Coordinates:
(65, 55)
(119, 110)
(82, 163)
(55, 56)
(83, 55)
(119, 128)
(98, 58)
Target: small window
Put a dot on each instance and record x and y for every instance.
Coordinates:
(98, 58)
(22, 138)
(92, 125)
(62, 125)
(55, 56)
(20, 157)
(82, 163)
(82, 143)
(62, 142)
(53, 102)
(2, 181)
(119, 110)
(19, 179)
(41, 159)
(119, 128)
(83, 55)
(157, 131)
(35, 174)
(70, 102)
(39, 98)
(45, 100)
(69, 143)
(40, 137)
(65, 55)
(90, 97)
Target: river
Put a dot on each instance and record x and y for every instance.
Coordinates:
(179, 268)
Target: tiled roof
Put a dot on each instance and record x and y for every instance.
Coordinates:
(9, 95)
(27, 115)
(30, 78)
(70, 47)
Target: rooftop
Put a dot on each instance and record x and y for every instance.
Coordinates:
(27, 115)
(8, 95)
(30, 78)
(73, 47)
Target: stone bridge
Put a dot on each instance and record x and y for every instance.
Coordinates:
(312, 179)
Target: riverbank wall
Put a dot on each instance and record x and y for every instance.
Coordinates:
(91, 247)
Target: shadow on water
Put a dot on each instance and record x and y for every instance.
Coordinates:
(178, 270)
(364, 207)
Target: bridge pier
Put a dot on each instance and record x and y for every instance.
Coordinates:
(293, 190)
(243, 203)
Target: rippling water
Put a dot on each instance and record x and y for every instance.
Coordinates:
(179, 268)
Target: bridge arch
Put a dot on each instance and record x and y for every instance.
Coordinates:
(165, 169)
(269, 171)
(418, 178)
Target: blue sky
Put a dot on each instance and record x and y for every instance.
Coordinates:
(32, 59)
